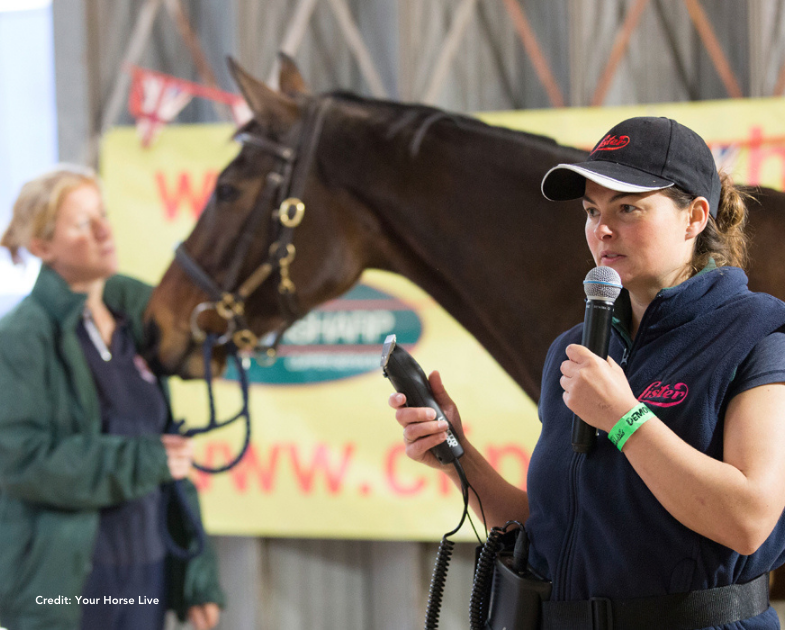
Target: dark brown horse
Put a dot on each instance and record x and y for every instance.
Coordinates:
(447, 201)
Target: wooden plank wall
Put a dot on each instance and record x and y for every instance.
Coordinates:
(337, 584)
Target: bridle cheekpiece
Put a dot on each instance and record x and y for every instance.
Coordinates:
(283, 191)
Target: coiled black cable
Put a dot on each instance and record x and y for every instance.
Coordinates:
(479, 601)
(483, 575)
(443, 557)
(438, 578)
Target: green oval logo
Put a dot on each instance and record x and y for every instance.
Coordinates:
(341, 338)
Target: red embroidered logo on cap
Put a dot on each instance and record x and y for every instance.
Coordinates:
(666, 395)
(611, 143)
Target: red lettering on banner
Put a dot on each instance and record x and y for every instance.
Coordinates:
(266, 468)
(320, 460)
(445, 485)
(251, 464)
(391, 469)
(261, 468)
(758, 155)
(495, 455)
(203, 480)
(184, 191)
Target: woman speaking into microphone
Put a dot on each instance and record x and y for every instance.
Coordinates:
(674, 518)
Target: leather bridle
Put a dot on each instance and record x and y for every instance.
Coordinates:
(281, 197)
(282, 190)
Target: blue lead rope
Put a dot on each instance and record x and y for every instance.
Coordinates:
(174, 491)
(213, 424)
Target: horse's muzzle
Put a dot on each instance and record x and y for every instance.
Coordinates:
(150, 347)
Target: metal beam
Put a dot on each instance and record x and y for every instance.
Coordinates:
(73, 79)
(460, 22)
(712, 45)
(532, 47)
(618, 51)
(191, 40)
(577, 60)
(357, 45)
(776, 43)
(133, 53)
(779, 87)
(293, 37)
(678, 59)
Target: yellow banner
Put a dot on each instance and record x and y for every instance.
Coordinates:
(747, 136)
(326, 456)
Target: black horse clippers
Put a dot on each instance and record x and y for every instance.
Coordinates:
(408, 378)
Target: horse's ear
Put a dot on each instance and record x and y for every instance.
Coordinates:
(265, 103)
(290, 80)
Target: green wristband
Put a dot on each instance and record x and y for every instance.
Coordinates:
(630, 422)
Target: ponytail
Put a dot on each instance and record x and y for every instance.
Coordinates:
(723, 240)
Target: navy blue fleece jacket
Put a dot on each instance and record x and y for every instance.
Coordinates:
(596, 529)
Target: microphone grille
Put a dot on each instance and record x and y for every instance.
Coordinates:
(602, 283)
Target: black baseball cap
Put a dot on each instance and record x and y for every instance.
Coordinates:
(641, 155)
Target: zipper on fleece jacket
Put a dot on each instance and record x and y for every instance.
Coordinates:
(629, 343)
(565, 561)
(567, 551)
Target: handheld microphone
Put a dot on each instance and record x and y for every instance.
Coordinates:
(602, 286)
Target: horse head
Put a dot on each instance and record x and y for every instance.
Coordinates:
(259, 257)
(328, 185)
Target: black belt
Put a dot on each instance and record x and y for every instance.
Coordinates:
(681, 611)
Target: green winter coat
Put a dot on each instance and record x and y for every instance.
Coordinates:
(57, 470)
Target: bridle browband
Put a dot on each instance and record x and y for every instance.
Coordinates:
(281, 195)
(282, 190)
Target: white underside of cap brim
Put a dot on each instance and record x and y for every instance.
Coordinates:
(609, 182)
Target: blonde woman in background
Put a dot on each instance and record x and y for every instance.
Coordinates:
(82, 451)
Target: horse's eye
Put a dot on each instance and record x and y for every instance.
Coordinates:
(226, 192)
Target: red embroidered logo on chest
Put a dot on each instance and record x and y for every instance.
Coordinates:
(666, 395)
(611, 143)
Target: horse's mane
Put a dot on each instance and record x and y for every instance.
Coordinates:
(416, 119)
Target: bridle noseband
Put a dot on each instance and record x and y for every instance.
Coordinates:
(282, 190)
